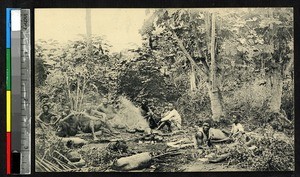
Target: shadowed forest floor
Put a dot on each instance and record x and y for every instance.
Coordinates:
(187, 159)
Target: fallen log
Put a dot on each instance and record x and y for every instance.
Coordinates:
(78, 164)
(138, 161)
(74, 141)
(134, 162)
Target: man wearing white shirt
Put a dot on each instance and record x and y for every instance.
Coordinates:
(172, 119)
(237, 127)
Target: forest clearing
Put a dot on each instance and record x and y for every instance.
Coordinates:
(208, 90)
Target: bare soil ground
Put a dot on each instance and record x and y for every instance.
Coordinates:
(187, 160)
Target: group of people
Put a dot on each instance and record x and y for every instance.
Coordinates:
(170, 118)
(69, 123)
(206, 135)
(93, 119)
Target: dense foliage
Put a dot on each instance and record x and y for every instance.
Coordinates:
(249, 70)
(271, 154)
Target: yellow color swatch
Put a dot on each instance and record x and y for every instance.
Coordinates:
(8, 111)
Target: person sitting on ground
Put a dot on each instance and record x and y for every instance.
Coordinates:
(238, 133)
(148, 114)
(72, 123)
(67, 124)
(172, 119)
(91, 113)
(237, 127)
(46, 118)
(206, 135)
(107, 109)
(202, 137)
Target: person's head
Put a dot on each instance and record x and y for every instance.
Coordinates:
(67, 109)
(170, 106)
(206, 126)
(236, 119)
(105, 101)
(45, 108)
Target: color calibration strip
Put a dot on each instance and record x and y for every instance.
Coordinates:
(8, 93)
(18, 115)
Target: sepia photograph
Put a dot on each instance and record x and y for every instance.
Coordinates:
(164, 89)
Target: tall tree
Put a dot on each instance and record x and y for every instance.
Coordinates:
(222, 43)
(191, 33)
(213, 88)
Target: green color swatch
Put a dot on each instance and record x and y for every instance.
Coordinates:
(8, 69)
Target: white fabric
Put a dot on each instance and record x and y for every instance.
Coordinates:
(237, 128)
(174, 117)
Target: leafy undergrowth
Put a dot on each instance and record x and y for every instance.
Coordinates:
(50, 152)
(98, 156)
(270, 154)
(273, 152)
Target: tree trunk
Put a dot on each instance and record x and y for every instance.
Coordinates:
(213, 90)
(215, 102)
(276, 91)
(210, 75)
(276, 75)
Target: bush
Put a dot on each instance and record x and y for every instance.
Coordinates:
(270, 155)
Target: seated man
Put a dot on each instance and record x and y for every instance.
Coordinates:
(95, 124)
(172, 119)
(148, 114)
(237, 127)
(202, 137)
(106, 109)
(206, 135)
(67, 124)
(87, 122)
(238, 132)
(101, 115)
(45, 118)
